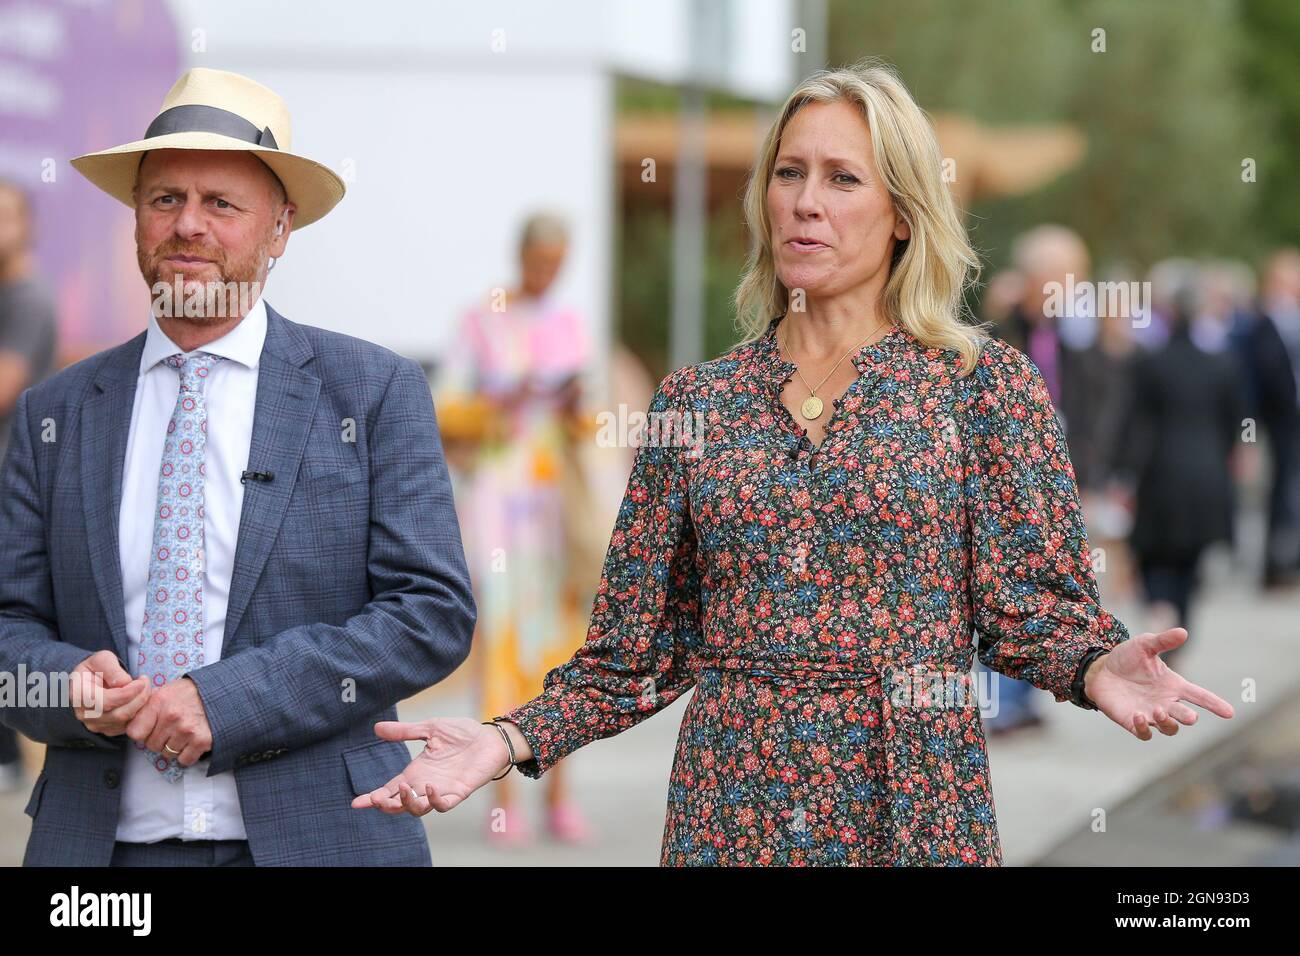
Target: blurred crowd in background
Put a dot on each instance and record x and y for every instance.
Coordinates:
(1176, 390)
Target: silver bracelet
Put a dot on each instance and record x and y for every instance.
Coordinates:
(510, 748)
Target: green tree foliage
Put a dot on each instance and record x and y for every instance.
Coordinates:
(645, 282)
(1155, 87)
(1271, 68)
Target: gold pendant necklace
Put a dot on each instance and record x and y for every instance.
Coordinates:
(812, 406)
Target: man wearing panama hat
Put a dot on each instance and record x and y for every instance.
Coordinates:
(234, 533)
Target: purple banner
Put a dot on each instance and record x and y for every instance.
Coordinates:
(78, 76)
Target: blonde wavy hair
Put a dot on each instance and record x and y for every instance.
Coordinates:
(930, 271)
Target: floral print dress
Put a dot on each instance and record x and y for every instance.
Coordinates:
(824, 603)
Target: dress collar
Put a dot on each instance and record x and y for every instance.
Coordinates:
(777, 371)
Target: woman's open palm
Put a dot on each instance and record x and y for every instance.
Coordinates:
(459, 756)
(1136, 689)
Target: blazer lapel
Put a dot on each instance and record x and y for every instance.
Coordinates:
(105, 427)
(282, 417)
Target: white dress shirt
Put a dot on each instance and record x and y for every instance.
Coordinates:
(196, 807)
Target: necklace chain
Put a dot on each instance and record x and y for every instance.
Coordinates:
(812, 406)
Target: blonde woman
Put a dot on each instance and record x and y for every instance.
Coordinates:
(876, 483)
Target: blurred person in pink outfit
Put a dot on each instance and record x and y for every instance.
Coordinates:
(509, 399)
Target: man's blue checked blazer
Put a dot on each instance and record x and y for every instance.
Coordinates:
(349, 593)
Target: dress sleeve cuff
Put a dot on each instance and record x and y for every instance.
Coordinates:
(547, 752)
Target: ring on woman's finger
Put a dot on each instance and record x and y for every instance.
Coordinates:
(175, 753)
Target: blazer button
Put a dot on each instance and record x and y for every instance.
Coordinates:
(111, 779)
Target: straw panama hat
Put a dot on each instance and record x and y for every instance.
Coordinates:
(213, 109)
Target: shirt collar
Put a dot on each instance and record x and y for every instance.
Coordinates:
(242, 344)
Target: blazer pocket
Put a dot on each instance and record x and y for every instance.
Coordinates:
(371, 765)
(328, 481)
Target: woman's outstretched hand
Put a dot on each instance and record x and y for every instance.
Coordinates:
(1135, 688)
(460, 755)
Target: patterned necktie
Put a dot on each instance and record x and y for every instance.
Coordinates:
(171, 640)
